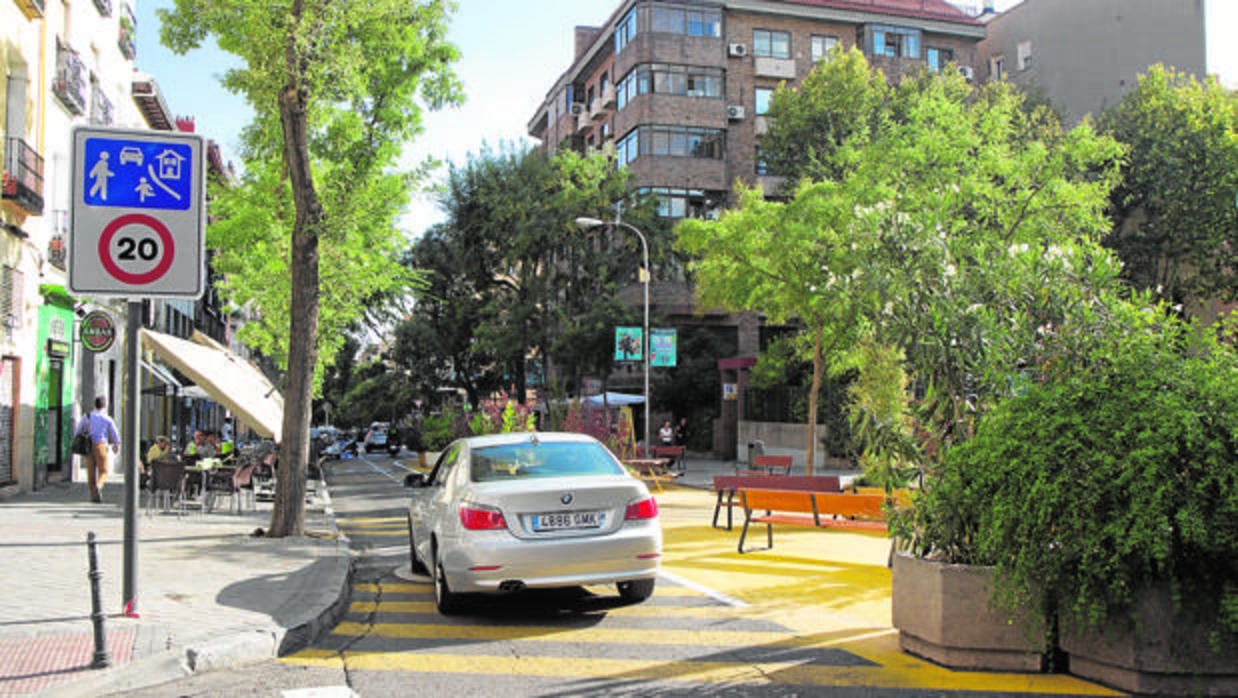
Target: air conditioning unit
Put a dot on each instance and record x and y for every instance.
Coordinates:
(578, 108)
(967, 72)
(734, 112)
(737, 50)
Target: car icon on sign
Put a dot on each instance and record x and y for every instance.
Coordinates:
(130, 154)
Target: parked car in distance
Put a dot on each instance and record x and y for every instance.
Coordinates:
(376, 437)
(531, 510)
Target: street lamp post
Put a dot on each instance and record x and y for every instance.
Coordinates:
(585, 223)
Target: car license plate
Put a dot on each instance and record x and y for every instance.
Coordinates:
(569, 520)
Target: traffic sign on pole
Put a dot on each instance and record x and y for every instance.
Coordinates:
(138, 216)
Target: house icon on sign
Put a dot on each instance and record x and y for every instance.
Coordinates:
(169, 164)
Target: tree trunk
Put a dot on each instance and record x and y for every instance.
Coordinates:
(818, 368)
(288, 518)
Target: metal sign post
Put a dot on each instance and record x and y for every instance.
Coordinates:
(137, 230)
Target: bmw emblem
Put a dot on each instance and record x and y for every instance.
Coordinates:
(566, 498)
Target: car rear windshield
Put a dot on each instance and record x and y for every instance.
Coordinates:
(532, 460)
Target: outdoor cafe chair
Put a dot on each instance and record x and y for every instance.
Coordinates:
(167, 481)
(232, 482)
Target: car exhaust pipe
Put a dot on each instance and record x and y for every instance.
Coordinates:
(511, 585)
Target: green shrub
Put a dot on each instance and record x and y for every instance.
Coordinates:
(438, 430)
(1101, 480)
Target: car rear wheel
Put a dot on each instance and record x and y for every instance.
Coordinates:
(447, 601)
(636, 590)
(416, 564)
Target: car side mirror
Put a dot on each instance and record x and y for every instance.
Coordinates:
(416, 480)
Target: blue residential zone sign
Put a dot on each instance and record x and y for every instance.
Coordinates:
(138, 174)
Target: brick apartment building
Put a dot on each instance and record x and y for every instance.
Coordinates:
(677, 92)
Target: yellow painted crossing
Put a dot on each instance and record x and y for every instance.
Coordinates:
(876, 660)
(698, 671)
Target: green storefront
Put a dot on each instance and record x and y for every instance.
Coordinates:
(53, 399)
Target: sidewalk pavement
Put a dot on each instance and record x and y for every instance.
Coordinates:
(210, 595)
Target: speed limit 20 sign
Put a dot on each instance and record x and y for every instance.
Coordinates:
(137, 225)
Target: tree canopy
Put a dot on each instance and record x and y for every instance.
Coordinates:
(512, 282)
(953, 231)
(1173, 212)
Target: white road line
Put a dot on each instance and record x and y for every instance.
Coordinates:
(711, 593)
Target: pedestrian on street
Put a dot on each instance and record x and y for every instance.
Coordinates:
(102, 431)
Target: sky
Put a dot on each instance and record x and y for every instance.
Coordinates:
(512, 51)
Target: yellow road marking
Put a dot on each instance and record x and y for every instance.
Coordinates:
(771, 673)
(544, 633)
(648, 611)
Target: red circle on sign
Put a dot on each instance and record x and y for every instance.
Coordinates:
(105, 248)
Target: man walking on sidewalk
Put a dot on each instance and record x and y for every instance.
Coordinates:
(102, 431)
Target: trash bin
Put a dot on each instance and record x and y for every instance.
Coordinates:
(756, 447)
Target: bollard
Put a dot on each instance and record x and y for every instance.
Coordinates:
(101, 657)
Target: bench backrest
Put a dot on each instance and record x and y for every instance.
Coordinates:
(668, 451)
(860, 506)
(778, 500)
(779, 464)
(809, 483)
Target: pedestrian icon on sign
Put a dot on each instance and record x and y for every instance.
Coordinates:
(100, 173)
(144, 189)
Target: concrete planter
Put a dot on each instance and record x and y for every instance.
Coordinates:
(1154, 651)
(942, 614)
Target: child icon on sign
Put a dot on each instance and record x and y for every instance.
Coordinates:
(100, 173)
(144, 189)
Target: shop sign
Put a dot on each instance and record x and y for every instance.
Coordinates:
(57, 348)
(97, 331)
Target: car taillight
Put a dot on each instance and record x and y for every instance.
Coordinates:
(644, 509)
(481, 519)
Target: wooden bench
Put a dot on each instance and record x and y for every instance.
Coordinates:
(726, 486)
(674, 453)
(773, 465)
(655, 470)
(812, 509)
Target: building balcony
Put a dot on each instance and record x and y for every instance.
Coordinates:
(101, 110)
(70, 83)
(57, 250)
(33, 9)
(23, 176)
(128, 41)
(765, 67)
(104, 7)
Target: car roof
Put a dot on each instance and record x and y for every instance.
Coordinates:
(524, 436)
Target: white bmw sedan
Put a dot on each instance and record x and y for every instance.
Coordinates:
(528, 510)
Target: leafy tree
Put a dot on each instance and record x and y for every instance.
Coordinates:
(798, 259)
(959, 228)
(511, 278)
(836, 107)
(1173, 212)
(335, 87)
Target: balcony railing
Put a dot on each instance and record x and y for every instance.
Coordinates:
(104, 7)
(70, 83)
(128, 32)
(33, 9)
(100, 107)
(56, 246)
(23, 175)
